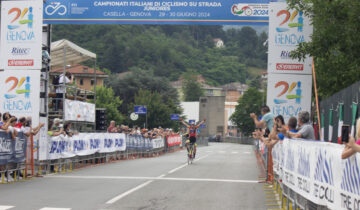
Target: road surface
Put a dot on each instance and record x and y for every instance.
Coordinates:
(224, 176)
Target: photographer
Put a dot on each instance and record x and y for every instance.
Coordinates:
(61, 89)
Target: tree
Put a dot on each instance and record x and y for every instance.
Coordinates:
(250, 102)
(335, 42)
(191, 88)
(105, 98)
(136, 79)
(158, 113)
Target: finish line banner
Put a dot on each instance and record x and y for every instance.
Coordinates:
(316, 171)
(203, 12)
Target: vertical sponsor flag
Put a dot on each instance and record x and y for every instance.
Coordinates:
(354, 111)
(341, 121)
(330, 125)
(322, 119)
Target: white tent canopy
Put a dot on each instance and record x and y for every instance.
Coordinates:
(74, 53)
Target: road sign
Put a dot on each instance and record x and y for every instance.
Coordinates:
(140, 109)
(175, 117)
(134, 116)
(191, 121)
(202, 126)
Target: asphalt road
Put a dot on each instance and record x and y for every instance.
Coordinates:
(224, 176)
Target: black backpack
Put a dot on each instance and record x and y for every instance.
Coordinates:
(55, 81)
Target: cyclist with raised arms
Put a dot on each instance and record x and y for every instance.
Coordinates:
(192, 133)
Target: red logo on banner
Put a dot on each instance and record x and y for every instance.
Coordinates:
(289, 67)
(28, 62)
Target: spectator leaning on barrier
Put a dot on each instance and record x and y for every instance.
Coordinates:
(52, 132)
(112, 128)
(67, 130)
(5, 123)
(267, 119)
(306, 131)
(291, 126)
(354, 143)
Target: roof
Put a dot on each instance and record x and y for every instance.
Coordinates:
(77, 69)
(235, 86)
(74, 53)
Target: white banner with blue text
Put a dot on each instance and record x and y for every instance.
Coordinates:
(85, 144)
(316, 171)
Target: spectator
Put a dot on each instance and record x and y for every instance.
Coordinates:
(55, 125)
(306, 131)
(267, 119)
(292, 123)
(52, 132)
(354, 143)
(11, 129)
(67, 130)
(61, 90)
(5, 122)
(27, 124)
(112, 128)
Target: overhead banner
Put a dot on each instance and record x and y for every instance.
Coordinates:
(316, 171)
(21, 35)
(84, 144)
(20, 93)
(287, 29)
(79, 111)
(217, 12)
(288, 94)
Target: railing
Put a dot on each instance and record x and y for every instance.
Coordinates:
(68, 153)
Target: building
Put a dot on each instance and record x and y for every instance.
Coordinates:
(209, 90)
(213, 109)
(83, 76)
(219, 43)
(234, 91)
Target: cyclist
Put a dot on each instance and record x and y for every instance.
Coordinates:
(192, 133)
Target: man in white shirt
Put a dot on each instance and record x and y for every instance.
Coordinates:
(60, 90)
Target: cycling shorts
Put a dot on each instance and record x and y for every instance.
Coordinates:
(188, 141)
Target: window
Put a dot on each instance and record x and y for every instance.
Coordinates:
(92, 81)
(81, 82)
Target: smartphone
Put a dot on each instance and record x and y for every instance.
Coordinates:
(345, 129)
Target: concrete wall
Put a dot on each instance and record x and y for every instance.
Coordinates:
(213, 109)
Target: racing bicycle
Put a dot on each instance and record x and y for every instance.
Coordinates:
(191, 153)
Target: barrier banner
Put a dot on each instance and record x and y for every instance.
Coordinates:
(21, 35)
(316, 171)
(230, 12)
(79, 111)
(174, 140)
(85, 144)
(157, 143)
(12, 151)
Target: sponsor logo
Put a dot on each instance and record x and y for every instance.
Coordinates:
(24, 62)
(20, 51)
(351, 176)
(250, 10)
(20, 26)
(324, 169)
(55, 7)
(289, 67)
(285, 35)
(288, 90)
(285, 54)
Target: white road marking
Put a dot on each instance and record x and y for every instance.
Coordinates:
(6, 207)
(234, 152)
(50, 208)
(178, 168)
(158, 178)
(113, 200)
